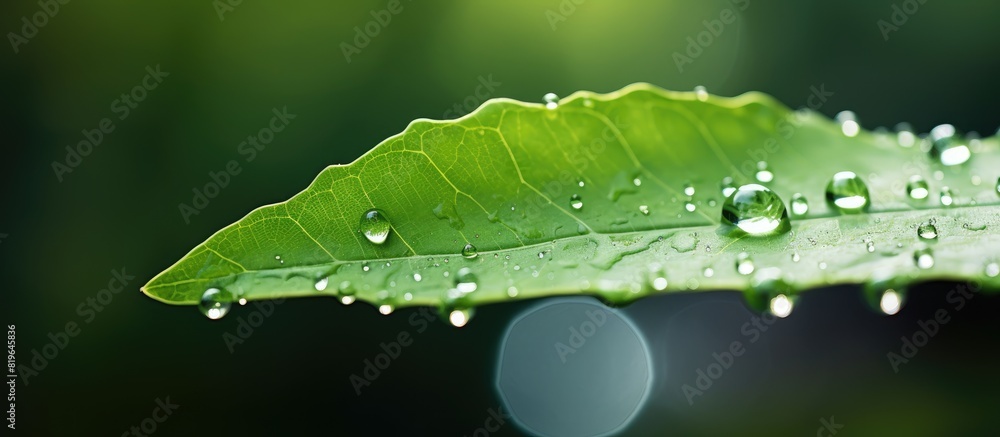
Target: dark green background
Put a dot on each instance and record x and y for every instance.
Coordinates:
(119, 208)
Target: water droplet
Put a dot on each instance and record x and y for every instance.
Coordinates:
(347, 300)
(795, 257)
(976, 180)
(541, 255)
(763, 174)
(891, 302)
(465, 281)
(386, 309)
(948, 147)
(781, 306)
(644, 209)
(712, 202)
(551, 100)
(243, 301)
(917, 188)
(744, 265)
(581, 183)
(637, 182)
(278, 258)
(847, 192)
(756, 210)
(947, 196)
(689, 206)
(689, 190)
(469, 251)
(701, 93)
(365, 267)
(407, 296)
(588, 102)
(800, 205)
(924, 258)
(417, 277)
(459, 318)
(728, 187)
(512, 291)
(992, 269)
(375, 226)
(576, 202)
(321, 284)
(927, 231)
(215, 303)
(998, 186)
(659, 283)
(870, 246)
(848, 123)
(821, 265)
(905, 135)
(708, 272)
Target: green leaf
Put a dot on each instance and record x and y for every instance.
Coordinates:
(592, 197)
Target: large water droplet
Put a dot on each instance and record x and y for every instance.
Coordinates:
(466, 281)
(576, 202)
(375, 226)
(459, 318)
(215, 303)
(848, 123)
(924, 258)
(917, 188)
(847, 192)
(948, 146)
(469, 251)
(744, 265)
(800, 205)
(927, 231)
(763, 174)
(756, 210)
(551, 100)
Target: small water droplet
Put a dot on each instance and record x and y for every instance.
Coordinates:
(800, 205)
(365, 267)
(407, 296)
(541, 255)
(821, 265)
(243, 301)
(712, 202)
(469, 251)
(576, 202)
(689, 206)
(322, 283)
(701, 93)
(756, 210)
(659, 283)
(689, 190)
(588, 102)
(512, 291)
(644, 209)
(947, 196)
(905, 135)
(375, 226)
(976, 180)
(386, 309)
(581, 183)
(637, 182)
(795, 257)
(927, 231)
(728, 187)
(992, 269)
(708, 272)
(347, 300)
(278, 258)
(924, 258)
(744, 265)
(848, 123)
(891, 302)
(551, 100)
(763, 174)
(459, 318)
(417, 277)
(870, 246)
(948, 146)
(781, 306)
(917, 188)
(215, 303)
(847, 192)
(465, 281)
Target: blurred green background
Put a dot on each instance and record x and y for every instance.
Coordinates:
(229, 66)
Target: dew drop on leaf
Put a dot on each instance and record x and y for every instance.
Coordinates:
(948, 147)
(375, 226)
(763, 174)
(890, 302)
(465, 281)
(927, 231)
(992, 269)
(800, 205)
(322, 283)
(947, 196)
(847, 192)
(386, 309)
(744, 265)
(701, 93)
(459, 318)
(576, 202)
(848, 123)
(215, 303)
(904, 135)
(924, 258)
(756, 210)
(644, 209)
(688, 190)
(728, 187)
(917, 188)
(469, 251)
